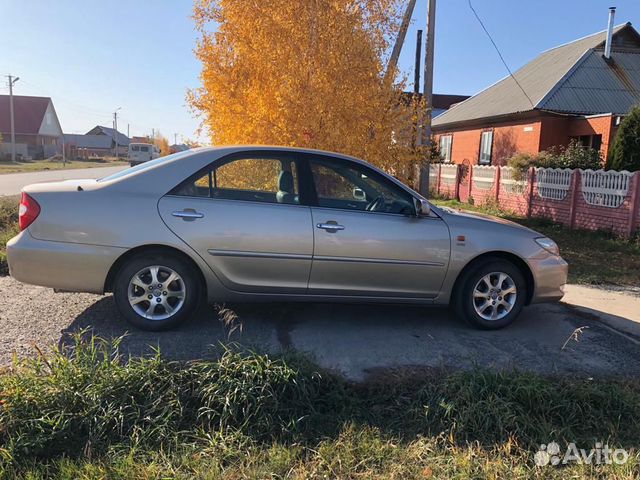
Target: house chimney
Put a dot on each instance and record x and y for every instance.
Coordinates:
(607, 45)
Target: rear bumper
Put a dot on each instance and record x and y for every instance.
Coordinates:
(550, 277)
(61, 265)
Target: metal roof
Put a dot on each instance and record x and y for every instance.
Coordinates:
(88, 141)
(571, 78)
(28, 113)
(123, 140)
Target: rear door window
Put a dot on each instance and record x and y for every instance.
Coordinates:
(269, 180)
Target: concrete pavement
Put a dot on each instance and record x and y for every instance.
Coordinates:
(617, 309)
(12, 183)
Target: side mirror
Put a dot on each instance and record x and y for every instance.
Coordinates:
(359, 194)
(423, 209)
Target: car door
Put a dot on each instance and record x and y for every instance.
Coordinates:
(244, 217)
(368, 240)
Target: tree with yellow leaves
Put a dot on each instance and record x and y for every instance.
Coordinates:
(306, 73)
(162, 143)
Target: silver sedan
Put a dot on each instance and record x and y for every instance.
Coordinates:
(243, 224)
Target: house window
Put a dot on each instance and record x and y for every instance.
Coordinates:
(445, 148)
(589, 141)
(486, 145)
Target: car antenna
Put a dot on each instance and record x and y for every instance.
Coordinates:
(80, 189)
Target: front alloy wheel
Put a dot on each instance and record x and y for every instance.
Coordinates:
(494, 296)
(490, 295)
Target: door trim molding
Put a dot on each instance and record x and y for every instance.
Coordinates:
(321, 258)
(248, 254)
(387, 261)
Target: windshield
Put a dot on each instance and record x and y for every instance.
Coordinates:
(144, 166)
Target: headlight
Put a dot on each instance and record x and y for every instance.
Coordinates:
(549, 245)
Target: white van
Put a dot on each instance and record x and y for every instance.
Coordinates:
(142, 152)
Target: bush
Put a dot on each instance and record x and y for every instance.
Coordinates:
(625, 151)
(572, 156)
(8, 227)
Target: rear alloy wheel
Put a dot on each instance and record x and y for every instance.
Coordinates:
(156, 292)
(492, 294)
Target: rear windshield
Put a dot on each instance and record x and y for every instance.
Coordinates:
(144, 166)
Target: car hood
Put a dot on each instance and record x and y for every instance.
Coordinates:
(481, 217)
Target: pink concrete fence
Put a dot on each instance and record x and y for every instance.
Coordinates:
(588, 199)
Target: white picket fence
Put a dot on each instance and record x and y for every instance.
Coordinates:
(601, 188)
(484, 177)
(553, 183)
(605, 188)
(513, 183)
(448, 174)
(434, 171)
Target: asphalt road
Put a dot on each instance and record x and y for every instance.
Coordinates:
(355, 340)
(12, 183)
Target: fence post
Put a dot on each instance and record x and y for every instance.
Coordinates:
(532, 178)
(456, 187)
(439, 179)
(575, 179)
(470, 183)
(635, 205)
(496, 179)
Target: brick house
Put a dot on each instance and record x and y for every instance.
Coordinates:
(37, 129)
(569, 92)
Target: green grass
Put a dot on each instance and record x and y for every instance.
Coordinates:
(593, 257)
(87, 413)
(39, 165)
(8, 227)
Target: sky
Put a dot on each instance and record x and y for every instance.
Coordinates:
(93, 57)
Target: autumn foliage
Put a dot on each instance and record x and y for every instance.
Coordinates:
(303, 73)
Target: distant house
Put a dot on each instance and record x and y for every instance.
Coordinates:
(178, 147)
(123, 140)
(442, 102)
(569, 92)
(37, 129)
(84, 146)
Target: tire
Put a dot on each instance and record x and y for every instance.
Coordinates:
(174, 302)
(485, 278)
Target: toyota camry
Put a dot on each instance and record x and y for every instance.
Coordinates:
(257, 223)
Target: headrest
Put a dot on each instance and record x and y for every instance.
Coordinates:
(285, 181)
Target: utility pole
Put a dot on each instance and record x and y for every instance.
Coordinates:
(12, 82)
(115, 128)
(175, 138)
(416, 73)
(428, 94)
(402, 33)
(416, 93)
(128, 131)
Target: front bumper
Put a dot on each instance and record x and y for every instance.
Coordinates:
(550, 277)
(65, 266)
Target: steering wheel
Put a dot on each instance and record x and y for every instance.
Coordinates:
(375, 204)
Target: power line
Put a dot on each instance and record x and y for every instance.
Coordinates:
(71, 103)
(499, 54)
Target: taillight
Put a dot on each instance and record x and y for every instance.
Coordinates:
(28, 211)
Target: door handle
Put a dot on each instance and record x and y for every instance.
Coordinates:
(188, 214)
(330, 227)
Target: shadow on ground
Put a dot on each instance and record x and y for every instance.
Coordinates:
(359, 340)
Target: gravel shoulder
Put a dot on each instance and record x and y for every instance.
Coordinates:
(355, 340)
